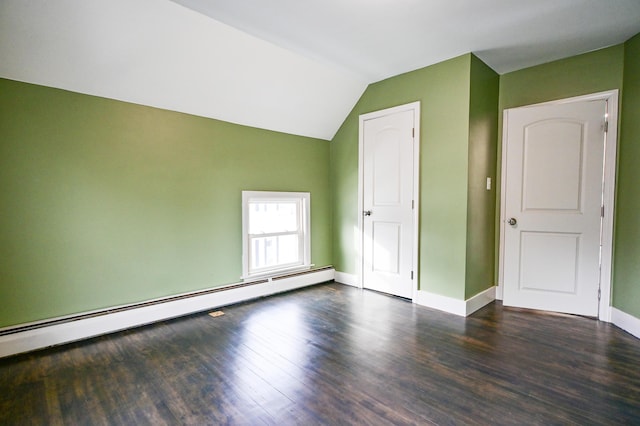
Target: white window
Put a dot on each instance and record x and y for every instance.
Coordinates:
(275, 229)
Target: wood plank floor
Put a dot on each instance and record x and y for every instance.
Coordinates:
(332, 354)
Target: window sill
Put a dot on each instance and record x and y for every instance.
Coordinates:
(275, 273)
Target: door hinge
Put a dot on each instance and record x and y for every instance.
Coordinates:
(413, 204)
(599, 294)
(411, 274)
(602, 211)
(413, 132)
(606, 126)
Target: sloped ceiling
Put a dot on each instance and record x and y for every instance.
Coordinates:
(287, 65)
(158, 53)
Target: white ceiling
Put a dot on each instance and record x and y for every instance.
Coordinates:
(287, 65)
(383, 38)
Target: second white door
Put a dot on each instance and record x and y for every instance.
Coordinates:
(553, 198)
(388, 220)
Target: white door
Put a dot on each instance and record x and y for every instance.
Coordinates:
(388, 220)
(553, 200)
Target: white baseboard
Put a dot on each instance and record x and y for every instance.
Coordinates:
(65, 332)
(345, 278)
(480, 300)
(456, 306)
(441, 303)
(627, 322)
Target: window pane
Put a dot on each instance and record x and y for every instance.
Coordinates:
(275, 227)
(271, 217)
(273, 251)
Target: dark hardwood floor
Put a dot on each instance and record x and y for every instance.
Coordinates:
(332, 354)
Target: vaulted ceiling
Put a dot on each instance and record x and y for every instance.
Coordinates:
(286, 65)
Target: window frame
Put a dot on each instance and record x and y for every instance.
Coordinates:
(303, 200)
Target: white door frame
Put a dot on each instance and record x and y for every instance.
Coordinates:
(610, 162)
(415, 107)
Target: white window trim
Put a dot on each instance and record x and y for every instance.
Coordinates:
(305, 199)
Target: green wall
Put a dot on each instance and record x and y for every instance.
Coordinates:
(445, 93)
(106, 203)
(626, 275)
(579, 75)
(481, 203)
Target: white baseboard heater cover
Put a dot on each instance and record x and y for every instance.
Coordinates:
(56, 331)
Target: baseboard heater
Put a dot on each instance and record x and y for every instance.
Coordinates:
(55, 331)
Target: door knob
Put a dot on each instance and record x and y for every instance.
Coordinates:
(512, 221)
(367, 212)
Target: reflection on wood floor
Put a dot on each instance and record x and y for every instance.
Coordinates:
(332, 354)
